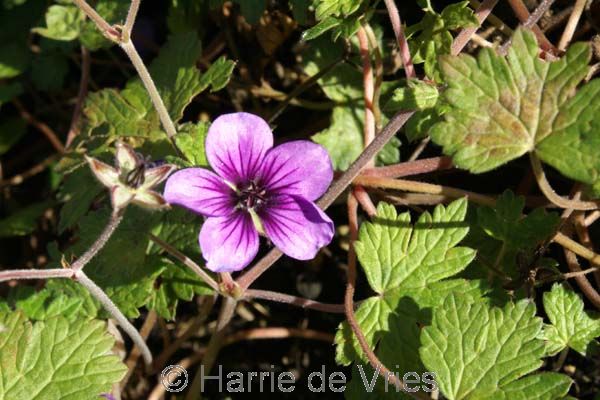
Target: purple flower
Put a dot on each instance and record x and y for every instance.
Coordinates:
(256, 188)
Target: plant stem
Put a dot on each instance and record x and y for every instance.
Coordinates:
(409, 168)
(482, 12)
(188, 262)
(378, 70)
(365, 201)
(106, 29)
(214, 345)
(334, 190)
(20, 274)
(422, 187)
(111, 226)
(394, 15)
(567, 35)
(582, 281)
(368, 90)
(142, 71)
(114, 311)
(293, 300)
(131, 15)
(551, 195)
(277, 333)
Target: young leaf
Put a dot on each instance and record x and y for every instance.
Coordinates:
(335, 8)
(504, 107)
(483, 352)
(571, 325)
(416, 95)
(56, 359)
(62, 22)
(401, 260)
(218, 74)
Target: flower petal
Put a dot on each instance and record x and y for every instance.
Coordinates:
(299, 168)
(236, 145)
(201, 191)
(296, 226)
(228, 243)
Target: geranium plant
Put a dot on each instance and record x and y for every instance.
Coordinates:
(200, 198)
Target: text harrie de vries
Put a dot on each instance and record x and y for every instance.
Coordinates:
(316, 381)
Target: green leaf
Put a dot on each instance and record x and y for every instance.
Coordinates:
(120, 268)
(78, 191)
(177, 282)
(11, 131)
(320, 28)
(478, 351)
(218, 74)
(571, 325)
(336, 8)
(431, 37)
(502, 108)
(402, 260)
(416, 95)
(56, 359)
(23, 221)
(343, 84)
(190, 140)
(62, 22)
(503, 234)
(46, 304)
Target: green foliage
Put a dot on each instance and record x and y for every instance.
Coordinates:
(416, 95)
(502, 108)
(401, 260)
(56, 359)
(340, 17)
(63, 22)
(343, 139)
(570, 325)
(478, 351)
(23, 221)
(432, 37)
(502, 235)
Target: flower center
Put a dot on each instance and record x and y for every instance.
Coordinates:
(252, 196)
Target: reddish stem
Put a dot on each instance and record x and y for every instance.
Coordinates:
(409, 68)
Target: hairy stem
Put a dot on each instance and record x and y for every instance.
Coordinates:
(584, 284)
(131, 15)
(559, 201)
(114, 311)
(104, 27)
(409, 168)
(569, 31)
(142, 71)
(109, 229)
(394, 15)
(374, 45)
(20, 274)
(188, 262)
(482, 12)
(368, 90)
(293, 300)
